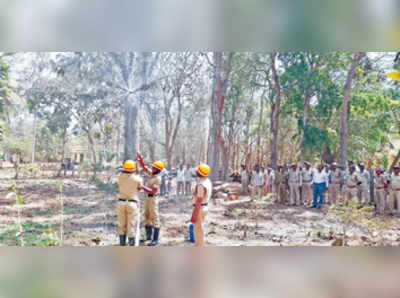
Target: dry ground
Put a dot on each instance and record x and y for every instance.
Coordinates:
(90, 219)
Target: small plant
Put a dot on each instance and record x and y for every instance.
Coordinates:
(14, 193)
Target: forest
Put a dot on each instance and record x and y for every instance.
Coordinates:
(91, 111)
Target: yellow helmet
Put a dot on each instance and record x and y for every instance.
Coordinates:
(158, 165)
(203, 170)
(129, 166)
(394, 75)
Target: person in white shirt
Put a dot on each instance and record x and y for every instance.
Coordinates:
(188, 181)
(180, 179)
(320, 183)
(257, 180)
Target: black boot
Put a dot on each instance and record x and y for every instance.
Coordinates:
(149, 232)
(155, 237)
(122, 240)
(132, 241)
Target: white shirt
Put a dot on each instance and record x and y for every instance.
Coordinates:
(188, 175)
(180, 175)
(320, 177)
(257, 179)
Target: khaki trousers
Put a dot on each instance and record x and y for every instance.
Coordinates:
(395, 196)
(307, 193)
(350, 193)
(380, 195)
(363, 194)
(334, 191)
(200, 226)
(294, 193)
(127, 213)
(151, 214)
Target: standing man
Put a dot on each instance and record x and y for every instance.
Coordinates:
(201, 196)
(295, 182)
(269, 181)
(188, 181)
(363, 188)
(320, 183)
(151, 214)
(306, 189)
(337, 180)
(395, 189)
(280, 185)
(380, 190)
(352, 182)
(257, 180)
(164, 177)
(127, 209)
(245, 179)
(180, 179)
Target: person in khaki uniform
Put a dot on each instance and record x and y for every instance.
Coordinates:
(306, 188)
(151, 214)
(337, 180)
(127, 209)
(363, 188)
(395, 189)
(201, 196)
(295, 182)
(380, 190)
(280, 185)
(352, 182)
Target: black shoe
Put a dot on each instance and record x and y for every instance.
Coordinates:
(149, 232)
(122, 240)
(155, 237)
(132, 241)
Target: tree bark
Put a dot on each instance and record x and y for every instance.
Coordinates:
(130, 133)
(222, 68)
(35, 120)
(275, 112)
(346, 97)
(395, 161)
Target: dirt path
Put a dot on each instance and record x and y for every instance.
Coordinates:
(90, 219)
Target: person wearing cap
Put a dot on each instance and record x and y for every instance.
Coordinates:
(306, 189)
(395, 189)
(337, 180)
(295, 182)
(363, 188)
(151, 214)
(352, 182)
(129, 185)
(201, 197)
(380, 185)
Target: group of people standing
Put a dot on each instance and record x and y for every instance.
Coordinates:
(130, 183)
(333, 184)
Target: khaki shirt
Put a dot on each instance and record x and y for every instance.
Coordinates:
(380, 181)
(395, 182)
(154, 182)
(307, 175)
(352, 180)
(280, 177)
(295, 177)
(129, 185)
(337, 176)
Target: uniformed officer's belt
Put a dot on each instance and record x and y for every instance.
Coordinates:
(307, 181)
(397, 189)
(151, 196)
(126, 200)
(380, 187)
(205, 204)
(351, 186)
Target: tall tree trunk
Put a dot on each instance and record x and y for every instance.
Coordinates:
(307, 100)
(35, 120)
(91, 146)
(345, 100)
(130, 133)
(275, 112)
(220, 83)
(260, 125)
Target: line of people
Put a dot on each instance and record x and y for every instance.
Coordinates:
(332, 184)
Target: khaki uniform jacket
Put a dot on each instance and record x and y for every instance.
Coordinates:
(295, 177)
(337, 176)
(155, 182)
(129, 185)
(395, 182)
(352, 180)
(364, 178)
(307, 175)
